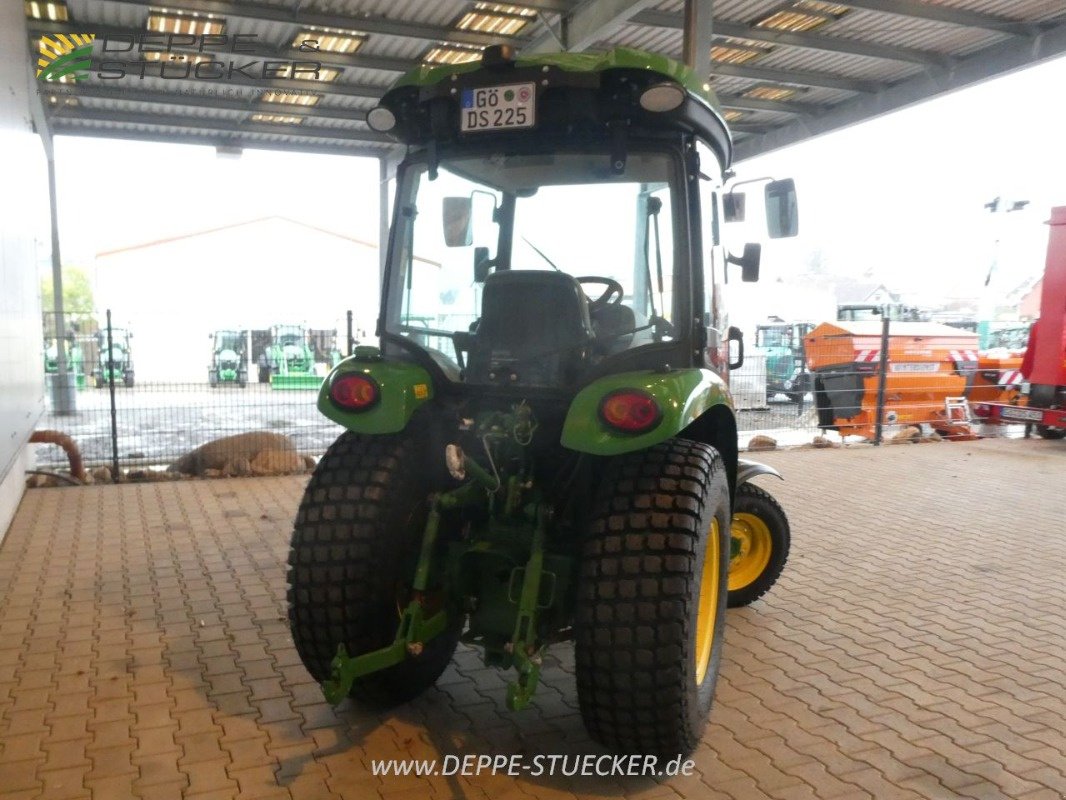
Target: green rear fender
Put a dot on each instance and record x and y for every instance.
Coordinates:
(683, 396)
(404, 388)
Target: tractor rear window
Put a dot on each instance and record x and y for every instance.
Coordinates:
(564, 213)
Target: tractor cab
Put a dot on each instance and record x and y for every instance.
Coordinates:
(781, 344)
(114, 362)
(558, 219)
(552, 365)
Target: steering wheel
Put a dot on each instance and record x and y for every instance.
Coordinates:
(613, 294)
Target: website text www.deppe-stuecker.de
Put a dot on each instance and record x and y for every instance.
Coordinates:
(590, 765)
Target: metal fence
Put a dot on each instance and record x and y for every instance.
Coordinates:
(146, 395)
(147, 401)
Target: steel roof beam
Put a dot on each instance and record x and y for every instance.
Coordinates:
(822, 80)
(808, 41)
(217, 126)
(742, 103)
(341, 61)
(990, 62)
(364, 24)
(252, 106)
(591, 22)
(357, 61)
(551, 6)
(931, 12)
(68, 127)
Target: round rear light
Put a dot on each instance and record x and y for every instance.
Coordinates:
(354, 392)
(630, 410)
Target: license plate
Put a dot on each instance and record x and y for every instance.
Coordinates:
(930, 366)
(1027, 414)
(494, 108)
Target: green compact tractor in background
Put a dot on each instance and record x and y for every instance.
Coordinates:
(786, 365)
(229, 358)
(288, 361)
(120, 362)
(75, 359)
(543, 446)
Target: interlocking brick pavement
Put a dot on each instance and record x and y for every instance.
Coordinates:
(913, 648)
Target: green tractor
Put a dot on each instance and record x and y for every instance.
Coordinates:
(120, 363)
(542, 446)
(786, 365)
(288, 362)
(229, 358)
(75, 359)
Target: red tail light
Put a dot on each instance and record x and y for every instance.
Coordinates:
(630, 410)
(354, 392)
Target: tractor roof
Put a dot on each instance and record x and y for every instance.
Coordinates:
(618, 58)
(575, 92)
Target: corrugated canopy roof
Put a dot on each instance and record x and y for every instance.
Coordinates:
(785, 70)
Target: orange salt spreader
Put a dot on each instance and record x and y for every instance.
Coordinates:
(927, 363)
(999, 376)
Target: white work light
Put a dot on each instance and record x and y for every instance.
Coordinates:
(662, 97)
(381, 119)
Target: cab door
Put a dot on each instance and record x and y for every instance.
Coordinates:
(715, 320)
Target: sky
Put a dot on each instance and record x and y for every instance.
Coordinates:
(902, 197)
(899, 199)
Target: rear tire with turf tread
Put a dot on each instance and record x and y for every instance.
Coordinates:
(638, 598)
(754, 501)
(354, 548)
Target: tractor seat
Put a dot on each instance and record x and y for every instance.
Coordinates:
(613, 326)
(534, 330)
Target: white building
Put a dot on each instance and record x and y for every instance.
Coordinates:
(172, 293)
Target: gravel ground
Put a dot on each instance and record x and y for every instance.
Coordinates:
(159, 423)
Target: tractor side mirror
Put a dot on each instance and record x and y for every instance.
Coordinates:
(733, 206)
(782, 209)
(457, 213)
(482, 264)
(748, 263)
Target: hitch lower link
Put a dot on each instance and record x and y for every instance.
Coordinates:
(415, 629)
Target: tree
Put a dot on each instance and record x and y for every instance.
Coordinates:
(77, 292)
(77, 304)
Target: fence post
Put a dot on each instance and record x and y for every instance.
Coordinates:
(111, 389)
(351, 339)
(882, 377)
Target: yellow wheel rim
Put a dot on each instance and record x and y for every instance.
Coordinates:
(752, 546)
(707, 612)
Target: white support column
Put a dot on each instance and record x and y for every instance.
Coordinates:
(696, 45)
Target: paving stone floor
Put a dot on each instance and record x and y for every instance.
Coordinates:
(913, 648)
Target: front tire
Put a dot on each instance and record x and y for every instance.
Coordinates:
(760, 539)
(651, 602)
(352, 558)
